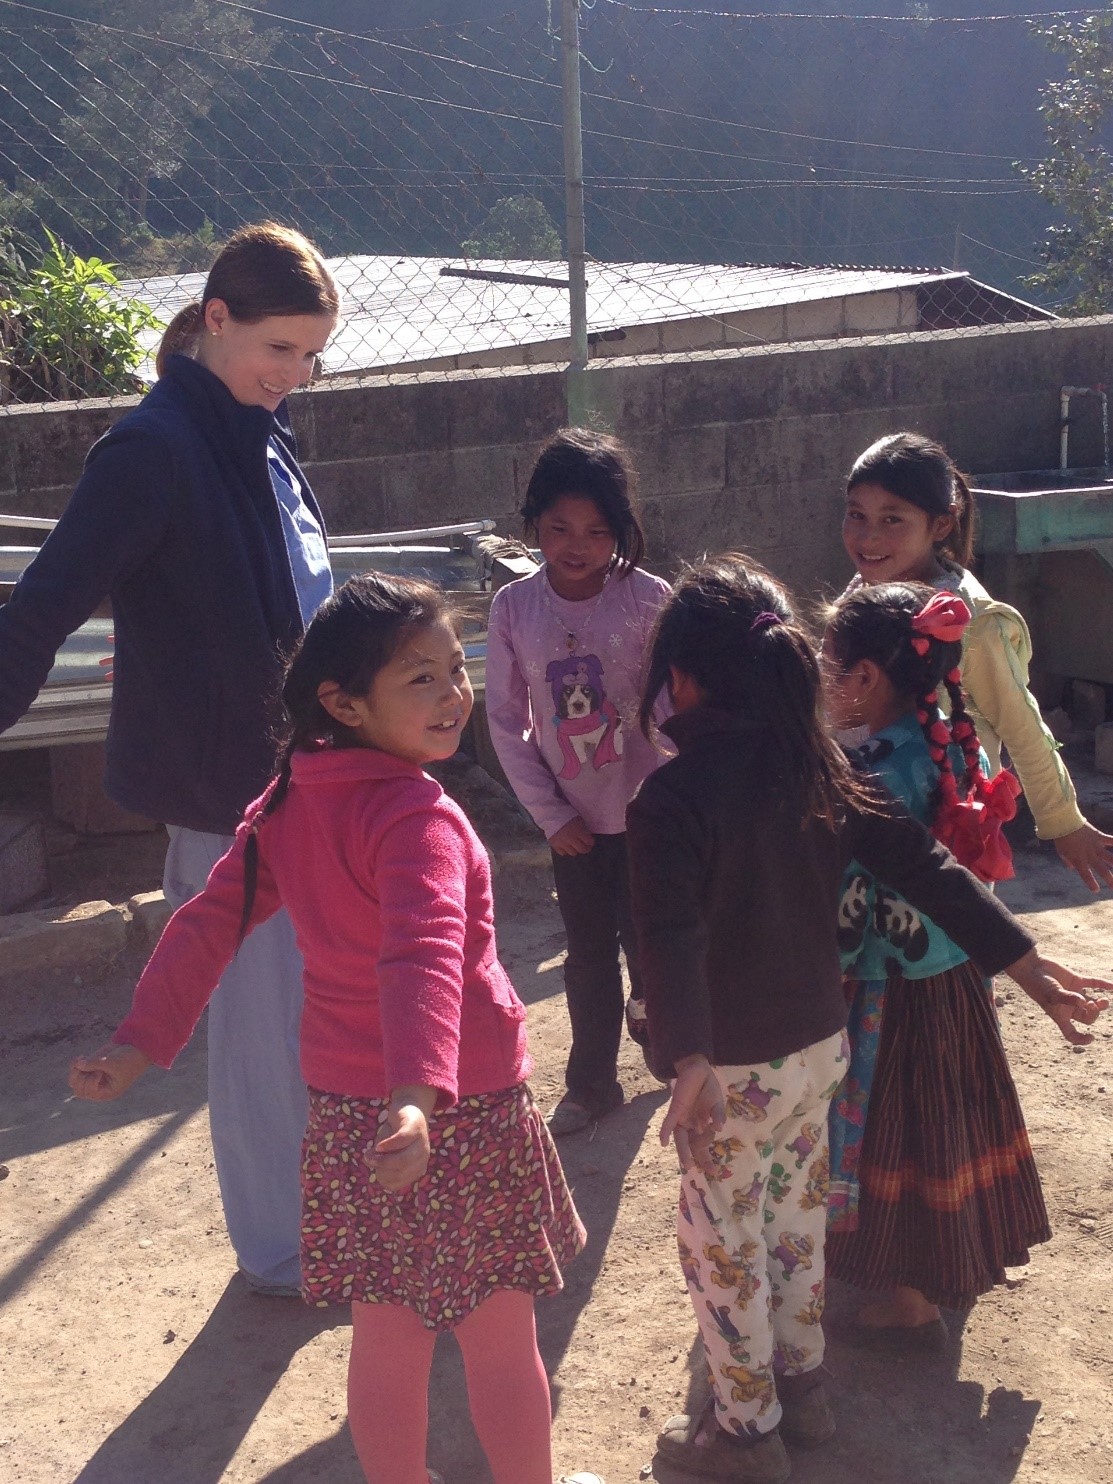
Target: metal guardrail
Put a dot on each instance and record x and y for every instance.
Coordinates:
(465, 559)
(28, 522)
(378, 538)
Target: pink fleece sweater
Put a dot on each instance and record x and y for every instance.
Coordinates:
(389, 890)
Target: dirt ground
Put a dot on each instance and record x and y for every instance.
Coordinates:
(132, 1354)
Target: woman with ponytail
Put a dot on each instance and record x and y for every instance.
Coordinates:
(193, 517)
(934, 1191)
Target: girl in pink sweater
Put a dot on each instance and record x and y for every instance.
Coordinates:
(432, 1196)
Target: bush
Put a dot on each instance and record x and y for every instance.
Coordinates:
(65, 331)
(516, 227)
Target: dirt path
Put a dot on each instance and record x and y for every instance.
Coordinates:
(131, 1354)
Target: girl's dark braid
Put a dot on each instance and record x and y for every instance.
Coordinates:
(271, 800)
(963, 731)
(940, 733)
(937, 735)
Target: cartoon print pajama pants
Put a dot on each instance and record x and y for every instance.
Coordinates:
(751, 1233)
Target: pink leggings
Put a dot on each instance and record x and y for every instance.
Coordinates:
(508, 1391)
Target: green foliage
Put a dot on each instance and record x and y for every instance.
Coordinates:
(1077, 175)
(13, 265)
(515, 227)
(66, 331)
(146, 255)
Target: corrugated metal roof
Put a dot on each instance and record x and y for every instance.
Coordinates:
(400, 310)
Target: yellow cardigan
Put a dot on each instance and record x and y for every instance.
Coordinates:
(996, 652)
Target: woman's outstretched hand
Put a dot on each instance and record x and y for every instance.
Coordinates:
(1062, 994)
(695, 1113)
(107, 1073)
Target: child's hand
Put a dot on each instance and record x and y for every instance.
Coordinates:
(573, 838)
(1061, 993)
(107, 1073)
(1090, 853)
(400, 1156)
(695, 1113)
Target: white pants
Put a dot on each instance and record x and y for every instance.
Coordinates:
(751, 1234)
(258, 1104)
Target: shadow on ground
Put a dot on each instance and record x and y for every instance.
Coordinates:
(189, 1428)
(893, 1410)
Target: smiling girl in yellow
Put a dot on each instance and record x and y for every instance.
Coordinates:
(909, 517)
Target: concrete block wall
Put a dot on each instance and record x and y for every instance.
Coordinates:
(739, 447)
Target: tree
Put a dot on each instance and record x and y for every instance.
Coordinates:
(141, 91)
(515, 227)
(1077, 175)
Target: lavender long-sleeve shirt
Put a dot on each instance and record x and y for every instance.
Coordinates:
(564, 721)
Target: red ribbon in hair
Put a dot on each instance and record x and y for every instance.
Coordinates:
(971, 828)
(943, 617)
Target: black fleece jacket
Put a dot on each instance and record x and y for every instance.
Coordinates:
(736, 906)
(175, 519)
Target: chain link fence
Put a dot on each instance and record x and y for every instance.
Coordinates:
(747, 178)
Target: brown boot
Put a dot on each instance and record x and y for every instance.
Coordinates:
(806, 1416)
(698, 1445)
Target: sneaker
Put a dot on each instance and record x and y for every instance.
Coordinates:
(806, 1416)
(637, 1027)
(698, 1445)
(570, 1116)
(270, 1290)
(581, 1479)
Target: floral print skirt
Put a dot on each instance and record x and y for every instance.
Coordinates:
(491, 1211)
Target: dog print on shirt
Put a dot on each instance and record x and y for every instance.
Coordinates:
(588, 725)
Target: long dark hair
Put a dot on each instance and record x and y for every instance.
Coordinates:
(580, 461)
(261, 270)
(353, 635)
(876, 623)
(729, 624)
(917, 469)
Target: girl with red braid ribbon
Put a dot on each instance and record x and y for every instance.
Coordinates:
(934, 1191)
(909, 517)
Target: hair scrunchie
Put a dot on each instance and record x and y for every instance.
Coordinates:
(943, 617)
(765, 621)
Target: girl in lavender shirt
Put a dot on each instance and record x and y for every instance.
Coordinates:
(565, 654)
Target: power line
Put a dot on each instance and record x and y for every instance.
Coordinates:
(909, 20)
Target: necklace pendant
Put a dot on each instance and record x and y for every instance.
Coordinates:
(570, 641)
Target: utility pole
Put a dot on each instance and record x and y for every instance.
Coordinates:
(574, 210)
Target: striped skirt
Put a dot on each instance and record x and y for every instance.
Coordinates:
(949, 1193)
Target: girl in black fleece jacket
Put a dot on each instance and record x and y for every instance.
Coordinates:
(737, 850)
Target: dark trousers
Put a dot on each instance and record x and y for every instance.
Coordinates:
(593, 893)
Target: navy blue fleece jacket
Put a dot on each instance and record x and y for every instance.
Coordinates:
(176, 521)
